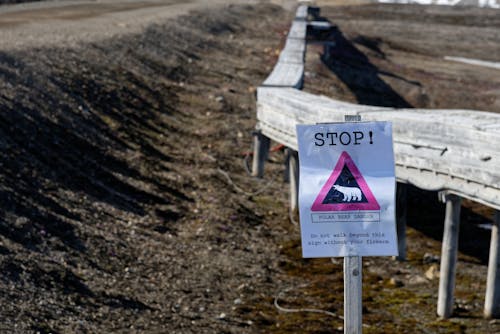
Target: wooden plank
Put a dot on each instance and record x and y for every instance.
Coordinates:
(434, 149)
(295, 45)
(301, 13)
(449, 256)
(452, 163)
(285, 75)
(407, 155)
(289, 70)
(319, 25)
(492, 300)
(293, 52)
(321, 106)
(427, 135)
(472, 124)
(429, 180)
(291, 57)
(298, 30)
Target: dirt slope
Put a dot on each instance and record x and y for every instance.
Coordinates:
(114, 215)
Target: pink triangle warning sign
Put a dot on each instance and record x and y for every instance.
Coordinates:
(345, 189)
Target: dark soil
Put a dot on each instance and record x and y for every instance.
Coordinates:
(8, 2)
(126, 207)
(116, 212)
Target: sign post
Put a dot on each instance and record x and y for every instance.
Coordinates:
(353, 292)
(347, 200)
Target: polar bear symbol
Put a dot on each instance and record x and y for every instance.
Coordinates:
(350, 193)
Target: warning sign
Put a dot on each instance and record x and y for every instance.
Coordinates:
(347, 189)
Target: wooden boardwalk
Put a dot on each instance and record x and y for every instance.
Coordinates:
(451, 151)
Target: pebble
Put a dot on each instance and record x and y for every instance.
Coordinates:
(432, 272)
(417, 279)
(396, 282)
(430, 258)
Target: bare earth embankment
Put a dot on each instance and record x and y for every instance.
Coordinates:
(125, 204)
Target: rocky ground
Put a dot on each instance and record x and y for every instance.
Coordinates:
(127, 208)
(394, 55)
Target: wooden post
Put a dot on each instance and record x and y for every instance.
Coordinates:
(449, 255)
(293, 169)
(260, 153)
(286, 172)
(327, 50)
(353, 269)
(492, 300)
(401, 211)
(353, 286)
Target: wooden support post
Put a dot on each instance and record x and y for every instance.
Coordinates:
(327, 50)
(492, 300)
(293, 169)
(449, 255)
(401, 211)
(314, 11)
(260, 153)
(353, 269)
(286, 172)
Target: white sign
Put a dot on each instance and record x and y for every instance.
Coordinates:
(481, 3)
(347, 189)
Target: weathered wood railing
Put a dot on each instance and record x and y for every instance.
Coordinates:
(452, 151)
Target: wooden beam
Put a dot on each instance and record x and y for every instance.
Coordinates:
(285, 74)
(449, 255)
(298, 30)
(293, 52)
(319, 25)
(434, 149)
(492, 300)
(301, 13)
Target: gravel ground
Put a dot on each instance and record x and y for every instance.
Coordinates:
(71, 23)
